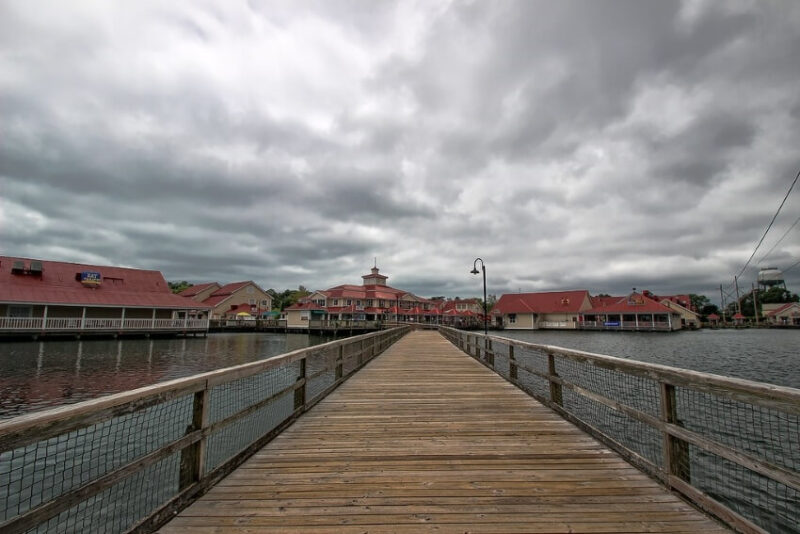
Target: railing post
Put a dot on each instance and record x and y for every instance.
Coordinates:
(300, 392)
(488, 351)
(555, 388)
(339, 353)
(512, 363)
(360, 352)
(193, 457)
(676, 451)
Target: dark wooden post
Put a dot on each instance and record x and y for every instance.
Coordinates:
(512, 363)
(193, 457)
(300, 392)
(339, 353)
(489, 351)
(360, 352)
(676, 451)
(556, 394)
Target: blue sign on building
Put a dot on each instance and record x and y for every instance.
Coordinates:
(611, 323)
(91, 278)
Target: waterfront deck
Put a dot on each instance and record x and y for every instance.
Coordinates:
(425, 438)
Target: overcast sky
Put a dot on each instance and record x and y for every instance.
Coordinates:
(597, 145)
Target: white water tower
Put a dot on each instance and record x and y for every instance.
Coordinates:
(769, 277)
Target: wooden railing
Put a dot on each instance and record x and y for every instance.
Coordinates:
(730, 446)
(66, 324)
(128, 462)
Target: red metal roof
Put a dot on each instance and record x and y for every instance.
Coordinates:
(58, 285)
(195, 289)
(547, 302)
(782, 309)
(632, 304)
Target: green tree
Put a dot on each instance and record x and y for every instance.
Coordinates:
(777, 295)
(698, 302)
(177, 287)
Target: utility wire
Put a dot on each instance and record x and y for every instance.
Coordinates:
(791, 267)
(765, 256)
(770, 224)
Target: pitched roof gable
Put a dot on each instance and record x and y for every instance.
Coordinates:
(546, 302)
(59, 283)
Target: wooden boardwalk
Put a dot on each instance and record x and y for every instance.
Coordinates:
(425, 439)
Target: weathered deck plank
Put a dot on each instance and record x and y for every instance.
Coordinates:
(424, 439)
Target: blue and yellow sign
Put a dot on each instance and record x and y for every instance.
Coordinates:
(91, 278)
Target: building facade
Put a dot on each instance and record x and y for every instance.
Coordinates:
(373, 300)
(242, 297)
(558, 310)
(56, 297)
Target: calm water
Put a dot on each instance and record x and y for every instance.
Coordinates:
(763, 355)
(37, 375)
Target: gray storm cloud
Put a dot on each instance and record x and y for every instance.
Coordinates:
(603, 145)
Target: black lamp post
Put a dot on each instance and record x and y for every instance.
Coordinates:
(485, 312)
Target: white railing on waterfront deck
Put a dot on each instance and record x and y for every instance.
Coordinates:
(68, 324)
(128, 462)
(728, 445)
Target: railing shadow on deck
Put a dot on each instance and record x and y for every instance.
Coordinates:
(128, 462)
(729, 446)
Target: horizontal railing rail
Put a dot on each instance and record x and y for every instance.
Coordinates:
(127, 462)
(62, 324)
(730, 446)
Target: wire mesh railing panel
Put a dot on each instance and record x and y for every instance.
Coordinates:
(501, 361)
(536, 385)
(232, 397)
(634, 435)
(319, 384)
(240, 434)
(531, 358)
(763, 432)
(769, 504)
(121, 506)
(42, 471)
(637, 392)
(321, 361)
(349, 364)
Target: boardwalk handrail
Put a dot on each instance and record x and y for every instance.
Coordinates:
(127, 462)
(730, 446)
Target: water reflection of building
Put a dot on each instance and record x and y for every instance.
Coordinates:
(48, 297)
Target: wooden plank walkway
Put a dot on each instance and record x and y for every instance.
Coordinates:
(425, 439)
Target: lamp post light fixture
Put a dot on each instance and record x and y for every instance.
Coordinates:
(485, 312)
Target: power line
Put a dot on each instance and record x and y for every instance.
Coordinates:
(770, 224)
(765, 256)
(791, 267)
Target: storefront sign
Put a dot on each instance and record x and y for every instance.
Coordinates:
(91, 278)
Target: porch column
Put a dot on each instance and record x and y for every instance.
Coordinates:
(153, 323)
(83, 318)
(669, 321)
(44, 318)
(185, 318)
(637, 321)
(122, 324)
(653, 321)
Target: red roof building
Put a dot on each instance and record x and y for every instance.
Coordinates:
(786, 315)
(234, 296)
(634, 312)
(547, 310)
(49, 296)
(374, 300)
